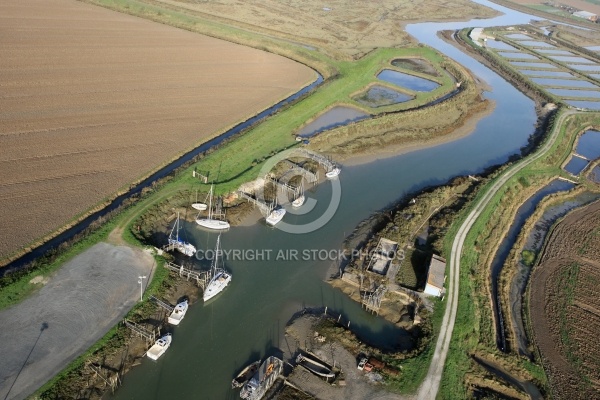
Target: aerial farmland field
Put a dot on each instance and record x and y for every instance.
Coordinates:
(92, 100)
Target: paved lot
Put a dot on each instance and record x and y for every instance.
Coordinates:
(77, 306)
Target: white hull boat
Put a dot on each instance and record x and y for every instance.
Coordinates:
(220, 278)
(217, 284)
(275, 216)
(160, 347)
(298, 202)
(183, 247)
(178, 313)
(334, 173)
(199, 206)
(215, 224)
(210, 222)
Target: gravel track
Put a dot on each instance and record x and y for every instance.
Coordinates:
(79, 304)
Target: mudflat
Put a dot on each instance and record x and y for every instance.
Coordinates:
(92, 100)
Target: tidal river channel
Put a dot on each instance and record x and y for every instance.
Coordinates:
(247, 320)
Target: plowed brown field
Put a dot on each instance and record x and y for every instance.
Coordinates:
(565, 306)
(91, 100)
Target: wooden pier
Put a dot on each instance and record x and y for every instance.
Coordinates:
(202, 277)
(296, 170)
(264, 207)
(149, 336)
(162, 304)
(324, 161)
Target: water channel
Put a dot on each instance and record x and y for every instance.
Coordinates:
(246, 321)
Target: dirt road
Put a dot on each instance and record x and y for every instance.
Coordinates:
(75, 308)
(431, 384)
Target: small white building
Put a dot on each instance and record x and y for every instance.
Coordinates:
(436, 276)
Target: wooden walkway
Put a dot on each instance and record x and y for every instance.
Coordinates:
(202, 277)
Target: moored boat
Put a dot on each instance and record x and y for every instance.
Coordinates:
(299, 201)
(199, 206)
(333, 173)
(243, 377)
(275, 216)
(262, 379)
(183, 247)
(160, 347)
(210, 222)
(178, 313)
(220, 278)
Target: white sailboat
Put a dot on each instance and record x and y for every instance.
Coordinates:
(299, 201)
(220, 278)
(183, 247)
(210, 222)
(178, 313)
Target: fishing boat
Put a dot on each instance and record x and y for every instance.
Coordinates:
(160, 347)
(333, 173)
(262, 379)
(299, 201)
(178, 313)
(314, 365)
(183, 247)
(275, 216)
(210, 222)
(243, 377)
(220, 278)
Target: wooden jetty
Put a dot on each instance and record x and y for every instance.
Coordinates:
(296, 169)
(149, 336)
(322, 160)
(202, 277)
(162, 304)
(264, 207)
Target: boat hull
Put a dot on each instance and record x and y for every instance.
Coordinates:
(199, 206)
(159, 348)
(275, 217)
(214, 224)
(178, 313)
(216, 285)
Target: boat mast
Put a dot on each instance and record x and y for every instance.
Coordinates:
(216, 261)
(210, 202)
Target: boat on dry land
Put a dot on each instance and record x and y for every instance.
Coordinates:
(178, 313)
(160, 347)
(315, 365)
(243, 377)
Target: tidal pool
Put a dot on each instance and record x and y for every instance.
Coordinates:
(575, 93)
(575, 165)
(572, 60)
(555, 52)
(518, 55)
(518, 64)
(591, 105)
(557, 74)
(591, 68)
(333, 118)
(379, 96)
(518, 36)
(533, 43)
(574, 83)
(589, 145)
(408, 81)
(499, 45)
